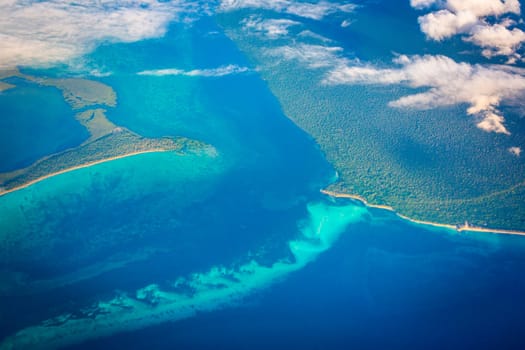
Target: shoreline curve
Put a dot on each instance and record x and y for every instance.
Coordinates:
(80, 166)
(460, 228)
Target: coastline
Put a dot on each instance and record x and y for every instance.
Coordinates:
(462, 228)
(81, 166)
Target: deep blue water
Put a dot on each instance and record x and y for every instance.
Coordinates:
(35, 122)
(397, 287)
(193, 214)
(384, 284)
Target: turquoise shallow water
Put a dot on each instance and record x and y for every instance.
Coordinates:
(42, 220)
(156, 217)
(238, 250)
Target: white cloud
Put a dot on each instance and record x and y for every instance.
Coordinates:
(271, 28)
(309, 35)
(515, 151)
(483, 8)
(421, 4)
(480, 8)
(346, 23)
(469, 18)
(444, 24)
(214, 72)
(493, 122)
(41, 33)
(497, 39)
(311, 10)
(449, 83)
(314, 56)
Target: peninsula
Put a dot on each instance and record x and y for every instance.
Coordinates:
(106, 142)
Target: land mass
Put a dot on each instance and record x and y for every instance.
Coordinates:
(431, 166)
(106, 142)
(466, 227)
(78, 92)
(120, 144)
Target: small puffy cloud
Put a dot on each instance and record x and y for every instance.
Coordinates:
(448, 83)
(270, 28)
(421, 4)
(515, 151)
(483, 8)
(444, 24)
(346, 23)
(469, 18)
(311, 10)
(209, 73)
(497, 39)
(42, 33)
(492, 122)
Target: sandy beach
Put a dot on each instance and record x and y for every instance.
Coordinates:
(81, 166)
(462, 228)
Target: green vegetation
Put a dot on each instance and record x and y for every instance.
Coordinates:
(80, 93)
(106, 141)
(96, 123)
(119, 143)
(430, 165)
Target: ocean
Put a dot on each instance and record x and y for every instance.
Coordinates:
(35, 122)
(240, 248)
